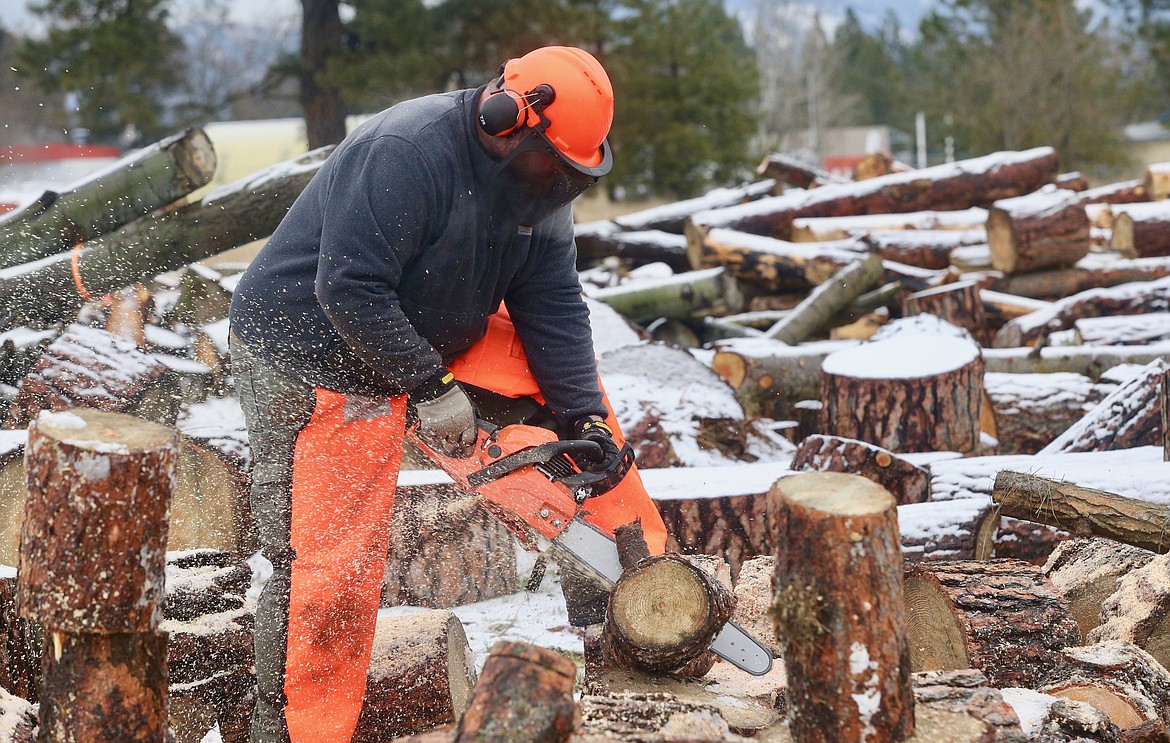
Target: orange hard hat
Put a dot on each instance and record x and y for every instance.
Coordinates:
(581, 111)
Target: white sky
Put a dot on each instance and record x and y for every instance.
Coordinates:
(15, 17)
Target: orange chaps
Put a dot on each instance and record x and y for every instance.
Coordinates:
(345, 469)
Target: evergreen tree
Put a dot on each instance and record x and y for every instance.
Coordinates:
(115, 58)
(872, 71)
(686, 85)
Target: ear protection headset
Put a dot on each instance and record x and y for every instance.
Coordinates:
(505, 111)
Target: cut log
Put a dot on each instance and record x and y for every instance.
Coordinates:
(138, 184)
(1091, 272)
(1083, 511)
(599, 240)
(663, 613)
(774, 265)
(690, 294)
(104, 687)
(671, 217)
(960, 185)
(922, 248)
(421, 676)
(820, 229)
(1125, 330)
(1157, 181)
(841, 619)
(126, 317)
(524, 693)
(1049, 719)
(1001, 617)
(1128, 417)
(1118, 678)
(1073, 180)
(1150, 731)
(907, 482)
(18, 719)
(99, 488)
(877, 164)
(1090, 361)
(962, 529)
(910, 392)
(231, 216)
(1001, 308)
(1029, 410)
(20, 646)
(609, 716)
(792, 172)
(826, 300)
(959, 303)
(1045, 229)
(91, 368)
(768, 376)
(1139, 611)
(1087, 571)
(966, 693)
(732, 527)
(753, 601)
(1141, 230)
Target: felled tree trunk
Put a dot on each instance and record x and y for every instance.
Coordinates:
(1129, 416)
(672, 217)
(1139, 610)
(21, 641)
(768, 376)
(732, 527)
(965, 693)
(599, 240)
(1028, 411)
(775, 265)
(841, 620)
(421, 676)
(959, 303)
(826, 300)
(1141, 230)
(820, 229)
(1045, 229)
(922, 248)
(1126, 330)
(1083, 511)
(870, 396)
(136, 185)
(1087, 571)
(906, 481)
(1118, 678)
(793, 172)
(1091, 361)
(961, 529)
(1065, 282)
(691, 294)
(952, 625)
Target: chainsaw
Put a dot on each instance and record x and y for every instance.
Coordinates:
(529, 480)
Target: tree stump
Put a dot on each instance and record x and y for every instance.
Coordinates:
(99, 491)
(1139, 610)
(838, 608)
(959, 303)
(1116, 677)
(1001, 617)
(908, 393)
(524, 693)
(906, 481)
(1044, 229)
(1087, 571)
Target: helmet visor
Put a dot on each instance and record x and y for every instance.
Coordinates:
(535, 179)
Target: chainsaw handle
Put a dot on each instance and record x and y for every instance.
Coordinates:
(531, 455)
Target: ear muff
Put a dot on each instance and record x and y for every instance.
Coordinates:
(504, 112)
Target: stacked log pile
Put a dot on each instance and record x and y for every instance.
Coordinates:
(930, 379)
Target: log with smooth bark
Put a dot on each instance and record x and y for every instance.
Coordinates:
(838, 608)
(1139, 610)
(775, 265)
(686, 295)
(1083, 511)
(134, 186)
(1044, 229)
(1129, 416)
(906, 481)
(1001, 617)
(826, 300)
(1092, 361)
(1087, 571)
(1125, 330)
(231, 216)
(1116, 677)
(1141, 230)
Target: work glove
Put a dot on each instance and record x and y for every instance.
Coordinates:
(610, 458)
(446, 418)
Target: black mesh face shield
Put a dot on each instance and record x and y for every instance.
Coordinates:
(536, 179)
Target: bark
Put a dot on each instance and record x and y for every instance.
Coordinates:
(959, 303)
(1127, 330)
(1027, 411)
(1001, 617)
(103, 687)
(322, 34)
(1022, 539)
(820, 229)
(421, 676)
(688, 295)
(922, 248)
(841, 619)
(524, 693)
(966, 692)
(599, 240)
(792, 172)
(1128, 417)
(1150, 731)
(866, 399)
(99, 489)
(1073, 181)
(1092, 362)
(1165, 419)
(1087, 274)
(611, 715)
(907, 482)
(136, 185)
(826, 300)
(20, 650)
(1139, 611)
(768, 376)
(976, 182)
(1142, 230)
(1087, 572)
(774, 265)
(1046, 229)
(731, 527)
(1118, 678)
(1083, 511)
(231, 216)
(962, 529)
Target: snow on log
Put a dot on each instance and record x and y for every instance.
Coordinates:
(1029, 410)
(524, 692)
(838, 608)
(138, 184)
(1001, 617)
(93, 544)
(1134, 298)
(922, 248)
(906, 481)
(1048, 719)
(1082, 510)
(18, 719)
(960, 185)
(775, 265)
(911, 391)
(88, 367)
(947, 530)
(1094, 271)
(820, 229)
(826, 300)
(1141, 230)
(599, 240)
(228, 217)
(1156, 179)
(1123, 330)
(1044, 229)
(1087, 571)
(672, 217)
(691, 294)
(959, 303)
(1139, 610)
(769, 376)
(1091, 361)
(789, 171)
(966, 693)
(877, 164)
(1118, 678)
(421, 676)
(1128, 417)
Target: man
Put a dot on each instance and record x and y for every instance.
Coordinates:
(380, 293)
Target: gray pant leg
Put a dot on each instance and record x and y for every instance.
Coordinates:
(276, 408)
